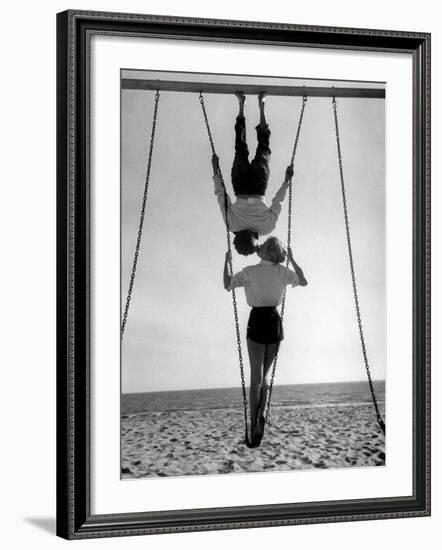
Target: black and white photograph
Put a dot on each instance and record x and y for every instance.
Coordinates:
(243, 275)
(253, 307)
(222, 256)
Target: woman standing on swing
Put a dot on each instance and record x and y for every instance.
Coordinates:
(264, 285)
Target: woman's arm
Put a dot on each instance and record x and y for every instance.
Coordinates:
(226, 275)
(298, 270)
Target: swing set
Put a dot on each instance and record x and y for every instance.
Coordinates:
(250, 89)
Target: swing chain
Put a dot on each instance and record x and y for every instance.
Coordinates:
(352, 268)
(230, 267)
(289, 240)
(292, 160)
(142, 214)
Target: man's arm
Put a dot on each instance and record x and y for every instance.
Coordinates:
(278, 199)
(226, 277)
(298, 270)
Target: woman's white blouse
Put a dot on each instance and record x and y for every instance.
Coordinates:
(264, 283)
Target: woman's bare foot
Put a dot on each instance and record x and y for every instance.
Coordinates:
(259, 430)
(259, 422)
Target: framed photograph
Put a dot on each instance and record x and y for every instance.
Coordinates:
(243, 274)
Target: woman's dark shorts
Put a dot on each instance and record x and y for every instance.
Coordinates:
(265, 325)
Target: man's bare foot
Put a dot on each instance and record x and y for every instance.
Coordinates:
(261, 97)
(262, 115)
(241, 97)
(242, 101)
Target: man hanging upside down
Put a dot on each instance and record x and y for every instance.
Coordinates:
(249, 216)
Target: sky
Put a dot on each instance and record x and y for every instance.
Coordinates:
(180, 332)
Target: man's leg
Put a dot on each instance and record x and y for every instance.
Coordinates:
(241, 165)
(259, 167)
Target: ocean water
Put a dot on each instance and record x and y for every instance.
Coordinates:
(295, 395)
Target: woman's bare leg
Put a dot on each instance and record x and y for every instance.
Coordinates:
(256, 358)
(269, 356)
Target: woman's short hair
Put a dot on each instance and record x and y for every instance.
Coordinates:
(274, 250)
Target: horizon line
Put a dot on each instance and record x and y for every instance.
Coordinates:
(239, 387)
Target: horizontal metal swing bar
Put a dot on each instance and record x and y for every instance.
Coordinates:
(223, 88)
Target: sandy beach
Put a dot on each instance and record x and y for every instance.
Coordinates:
(210, 441)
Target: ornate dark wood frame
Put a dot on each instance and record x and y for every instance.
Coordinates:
(74, 518)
